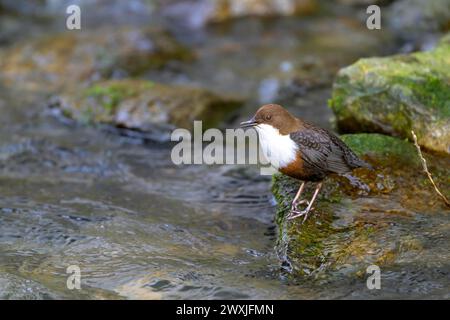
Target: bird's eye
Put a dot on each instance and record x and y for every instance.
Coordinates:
(268, 116)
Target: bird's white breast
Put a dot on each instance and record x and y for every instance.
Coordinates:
(279, 149)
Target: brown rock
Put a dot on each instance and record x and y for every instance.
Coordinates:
(145, 106)
(71, 58)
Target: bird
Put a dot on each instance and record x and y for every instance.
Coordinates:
(301, 150)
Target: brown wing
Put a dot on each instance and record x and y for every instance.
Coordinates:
(324, 151)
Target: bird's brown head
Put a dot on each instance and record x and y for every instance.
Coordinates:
(274, 115)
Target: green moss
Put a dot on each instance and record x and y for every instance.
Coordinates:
(336, 102)
(431, 89)
(280, 184)
(304, 245)
(382, 146)
(394, 95)
(110, 94)
(142, 104)
(426, 79)
(347, 230)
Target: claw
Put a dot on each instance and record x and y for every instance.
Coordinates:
(294, 206)
(296, 214)
(306, 216)
(293, 213)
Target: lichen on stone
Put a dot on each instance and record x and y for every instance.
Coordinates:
(394, 95)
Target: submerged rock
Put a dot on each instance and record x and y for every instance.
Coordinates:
(16, 288)
(367, 217)
(61, 61)
(397, 94)
(195, 14)
(145, 106)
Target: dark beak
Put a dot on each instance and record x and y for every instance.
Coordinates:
(249, 123)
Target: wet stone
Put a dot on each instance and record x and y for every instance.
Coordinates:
(146, 106)
(366, 217)
(71, 59)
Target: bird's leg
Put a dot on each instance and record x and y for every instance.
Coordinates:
(295, 202)
(308, 208)
(299, 193)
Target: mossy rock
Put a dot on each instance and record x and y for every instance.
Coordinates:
(361, 218)
(66, 60)
(145, 106)
(397, 94)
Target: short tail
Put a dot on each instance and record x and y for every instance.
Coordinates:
(364, 164)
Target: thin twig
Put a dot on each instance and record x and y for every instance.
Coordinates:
(425, 168)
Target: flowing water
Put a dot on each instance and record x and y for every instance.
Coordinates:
(139, 226)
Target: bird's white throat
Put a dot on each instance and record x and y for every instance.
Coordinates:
(279, 149)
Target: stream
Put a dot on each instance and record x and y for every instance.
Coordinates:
(140, 227)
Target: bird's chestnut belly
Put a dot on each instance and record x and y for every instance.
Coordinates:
(300, 170)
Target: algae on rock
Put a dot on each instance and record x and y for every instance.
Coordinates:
(397, 94)
(145, 106)
(361, 218)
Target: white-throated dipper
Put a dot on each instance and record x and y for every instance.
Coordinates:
(301, 150)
